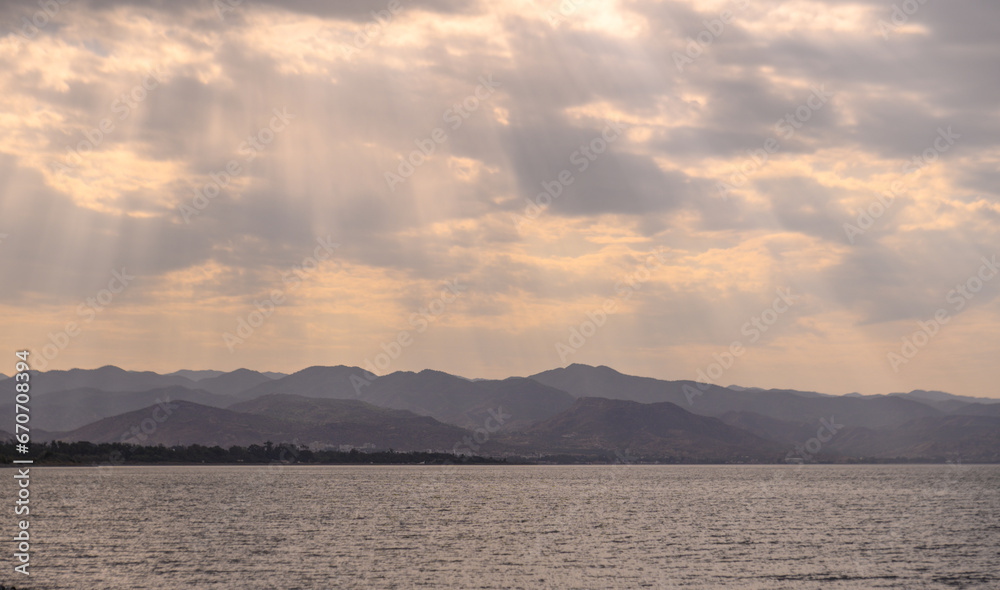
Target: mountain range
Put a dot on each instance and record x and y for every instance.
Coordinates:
(578, 410)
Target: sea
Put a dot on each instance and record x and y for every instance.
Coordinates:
(538, 526)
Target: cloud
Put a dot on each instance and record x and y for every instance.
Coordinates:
(99, 157)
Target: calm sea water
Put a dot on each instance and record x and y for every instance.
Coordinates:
(513, 527)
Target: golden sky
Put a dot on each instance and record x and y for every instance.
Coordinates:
(500, 188)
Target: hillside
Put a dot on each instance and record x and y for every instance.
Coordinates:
(67, 410)
(322, 382)
(327, 425)
(661, 430)
(710, 400)
(469, 404)
(107, 378)
(233, 382)
(969, 439)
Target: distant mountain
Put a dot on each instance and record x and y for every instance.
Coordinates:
(936, 438)
(977, 410)
(586, 381)
(795, 391)
(2, 377)
(660, 430)
(789, 407)
(941, 396)
(66, 410)
(234, 382)
(945, 402)
(781, 431)
(950, 406)
(525, 401)
(971, 439)
(447, 398)
(191, 423)
(187, 423)
(197, 375)
(345, 421)
(108, 378)
(274, 375)
(111, 378)
(469, 404)
(711, 400)
(316, 410)
(321, 382)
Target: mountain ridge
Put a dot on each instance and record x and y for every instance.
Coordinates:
(578, 409)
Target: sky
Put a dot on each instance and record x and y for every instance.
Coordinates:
(793, 194)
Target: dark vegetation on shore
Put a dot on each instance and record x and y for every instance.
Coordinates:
(87, 454)
(90, 454)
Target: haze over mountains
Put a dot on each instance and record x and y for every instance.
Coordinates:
(577, 410)
(659, 429)
(277, 418)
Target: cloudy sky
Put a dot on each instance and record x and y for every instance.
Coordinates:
(500, 188)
